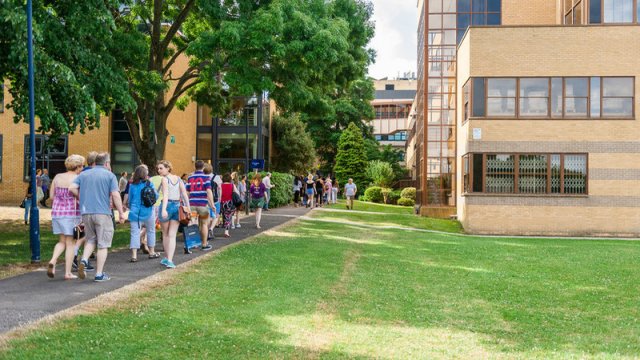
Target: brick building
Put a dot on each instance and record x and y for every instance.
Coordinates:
(544, 134)
(392, 105)
(193, 134)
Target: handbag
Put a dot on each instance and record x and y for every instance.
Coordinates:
(78, 231)
(23, 204)
(184, 216)
(236, 199)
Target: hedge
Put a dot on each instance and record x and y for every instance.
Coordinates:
(409, 193)
(282, 193)
(406, 202)
(374, 194)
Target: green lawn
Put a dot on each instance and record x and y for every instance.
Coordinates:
(333, 291)
(413, 221)
(14, 243)
(373, 207)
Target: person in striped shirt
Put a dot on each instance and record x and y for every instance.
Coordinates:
(201, 199)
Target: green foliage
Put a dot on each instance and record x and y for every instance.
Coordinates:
(310, 56)
(406, 202)
(282, 193)
(409, 193)
(380, 173)
(387, 154)
(293, 148)
(351, 159)
(77, 78)
(374, 194)
(393, 197)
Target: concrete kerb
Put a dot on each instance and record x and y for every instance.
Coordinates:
(116, 298)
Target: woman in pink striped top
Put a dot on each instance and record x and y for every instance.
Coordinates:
(65, 215)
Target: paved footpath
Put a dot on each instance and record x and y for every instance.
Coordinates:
(32, 296)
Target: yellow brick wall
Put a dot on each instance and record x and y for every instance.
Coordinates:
(529, 12)
(556, 51)
(182, 125)
(12, 187)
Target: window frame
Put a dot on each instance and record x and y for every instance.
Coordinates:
(468, 174)
(550, 113)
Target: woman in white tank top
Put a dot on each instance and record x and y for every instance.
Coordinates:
(173, 190)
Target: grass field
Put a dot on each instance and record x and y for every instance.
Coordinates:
(373, 207)
(327, 290)
(15, 250)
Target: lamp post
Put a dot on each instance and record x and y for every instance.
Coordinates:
(34, 217)
(246, 164)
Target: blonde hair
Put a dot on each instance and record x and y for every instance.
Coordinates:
(165, 163)
(234, 178)
(73, 162)
(207, 168)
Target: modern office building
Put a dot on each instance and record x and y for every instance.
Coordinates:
(193, 134)
(392, 105)
(544, 137)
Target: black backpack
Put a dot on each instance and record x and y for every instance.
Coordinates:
(148, 195)
(214, 189)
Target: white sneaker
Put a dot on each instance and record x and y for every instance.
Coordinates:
(238, 226)
(233, 226)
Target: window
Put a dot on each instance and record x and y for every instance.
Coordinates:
(465, 100)
(476, 12)
(501, 97)
(617, 97)
(576, 97)
(544, 98)
(525, 173)
(618, 11)
(389, 87)
(534, 97)
(573, 10)
(233, 146)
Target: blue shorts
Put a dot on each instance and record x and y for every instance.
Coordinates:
(217, 208)
(172, 212)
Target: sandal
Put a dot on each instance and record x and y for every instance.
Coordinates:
(133, 260)
(154, 256)
(51, 270)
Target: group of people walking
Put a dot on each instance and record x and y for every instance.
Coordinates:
(85, 198)
(315, 191)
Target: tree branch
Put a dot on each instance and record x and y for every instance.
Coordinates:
(173, 60)
(177, 94)
(156, 30)
(177, 23)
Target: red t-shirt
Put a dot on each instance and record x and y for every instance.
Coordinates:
(227, 189)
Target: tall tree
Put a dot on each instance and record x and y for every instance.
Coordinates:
(76, 76)
(293, 148)
(351, 159)
(303, 52)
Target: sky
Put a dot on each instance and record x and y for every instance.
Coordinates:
(395, 40)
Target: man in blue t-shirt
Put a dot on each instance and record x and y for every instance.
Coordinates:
(200, 196)
(96, 188)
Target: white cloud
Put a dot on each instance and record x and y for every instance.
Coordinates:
(395, 39)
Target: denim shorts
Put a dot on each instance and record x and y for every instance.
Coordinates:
(172, 212)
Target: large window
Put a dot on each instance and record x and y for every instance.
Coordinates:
(614, 11)
(544, 98)
(232, 146)
(525, 173)
(501, 97)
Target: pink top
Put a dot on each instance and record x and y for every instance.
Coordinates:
(64, 204)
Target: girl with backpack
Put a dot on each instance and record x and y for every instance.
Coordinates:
(140, 199)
